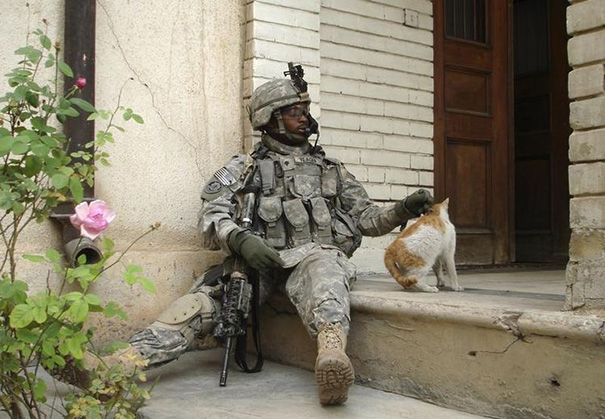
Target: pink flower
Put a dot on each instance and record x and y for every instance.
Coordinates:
(80, 82)
(92, 219)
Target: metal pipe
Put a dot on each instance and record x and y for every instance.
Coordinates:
(79, 52)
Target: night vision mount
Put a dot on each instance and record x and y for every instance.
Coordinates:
(296, 74)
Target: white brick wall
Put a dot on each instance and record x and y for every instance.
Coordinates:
(279, 31)
(377, 92)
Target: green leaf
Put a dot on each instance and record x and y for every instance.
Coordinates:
(68, 112)
(34, 258)
(148, 285)
(76, 189)
(18, 208)
(33, 164)
(107, 244)
(34, 55)
(19, 148)
(20, 93)
(21, 316)
(59, 180)
(6, 143)
(73, 296)
(27, 336)
(79, 310)
(9, 289)
(6, 200)
(40, 315)
(93, 299)
(65, 69)
(74, 348)
(82, 104)
(81, 259)
(58, 360)
(40, 391)
(129, 278)
(40, 149)
(45, 41)
(134, 269)
(33, 99)
(112, 309)
(48, 348)
(137, 118)
(52, 255)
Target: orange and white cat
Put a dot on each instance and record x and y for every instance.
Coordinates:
(428, 241)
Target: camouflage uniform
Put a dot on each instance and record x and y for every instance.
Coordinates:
(308, 207)
(312, 210)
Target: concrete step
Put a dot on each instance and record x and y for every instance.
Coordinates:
(188, 388)
(502, 348)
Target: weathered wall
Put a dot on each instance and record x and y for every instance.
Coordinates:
(16, 21)
(180, 68)
(377, 99)
(586, 52)
(186, 63)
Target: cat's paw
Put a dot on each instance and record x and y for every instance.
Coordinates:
(425, 288)
(457, 288)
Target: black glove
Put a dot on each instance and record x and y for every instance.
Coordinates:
(416, 204)
(255, 251)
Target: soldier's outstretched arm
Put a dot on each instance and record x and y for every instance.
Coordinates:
(216, 219)
(373, 220)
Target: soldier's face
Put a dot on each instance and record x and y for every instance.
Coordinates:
(296, 120)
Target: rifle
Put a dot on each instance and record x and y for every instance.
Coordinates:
(236, 305)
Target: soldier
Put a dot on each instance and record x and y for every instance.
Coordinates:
(311, 214)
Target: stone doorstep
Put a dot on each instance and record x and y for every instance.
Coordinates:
(481, 310)
(500, 353)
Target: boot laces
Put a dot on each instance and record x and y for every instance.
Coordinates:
(331, 338)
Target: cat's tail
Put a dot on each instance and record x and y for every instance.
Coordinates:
(391, 265)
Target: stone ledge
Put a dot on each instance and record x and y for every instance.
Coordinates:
(516, 320)
(499, 351)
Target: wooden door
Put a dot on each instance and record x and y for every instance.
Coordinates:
(472, 148)
(541, 131)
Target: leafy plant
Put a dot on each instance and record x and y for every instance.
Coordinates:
(37, 172)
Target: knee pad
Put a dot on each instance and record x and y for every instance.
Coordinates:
(192, 314)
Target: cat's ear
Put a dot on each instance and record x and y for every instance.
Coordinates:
(446, 203)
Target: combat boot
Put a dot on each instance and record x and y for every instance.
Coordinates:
(333, 370)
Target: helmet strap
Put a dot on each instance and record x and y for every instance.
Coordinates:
(280, 122)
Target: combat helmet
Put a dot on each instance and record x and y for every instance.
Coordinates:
(271, 97)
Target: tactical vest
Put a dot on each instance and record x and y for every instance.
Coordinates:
(298, 201)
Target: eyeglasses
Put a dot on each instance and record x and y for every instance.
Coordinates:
(295, 112)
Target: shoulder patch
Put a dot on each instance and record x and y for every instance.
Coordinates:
(213, 189)
(225, 177)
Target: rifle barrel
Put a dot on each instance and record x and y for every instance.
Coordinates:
(223, 380)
